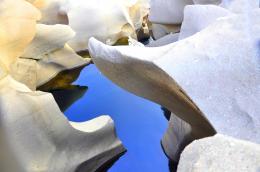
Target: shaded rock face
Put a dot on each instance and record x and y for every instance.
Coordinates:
(220, 154)
(36, 136)
(206, 80)
(177, 136)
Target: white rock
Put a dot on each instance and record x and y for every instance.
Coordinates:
(108, 20)
(167, 11)
(217, 70)
(170, 38)
(37, 136)
(48, 38)
(220, 154)
(198, 17)
(240, 6)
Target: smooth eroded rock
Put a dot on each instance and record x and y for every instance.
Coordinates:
(207, 80)
(220, 154)
(36, 136)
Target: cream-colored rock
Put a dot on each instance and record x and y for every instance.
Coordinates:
(207, 80)
(46, 56)
(35, 73)
(107, 20)
(51, 12)
(220, 154)
(48, 38)
(17, 29)
(198, 17)
(25, 71)
(57, 61)
(36, 136)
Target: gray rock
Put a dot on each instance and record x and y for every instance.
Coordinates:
(177, 136)
(220, 154)
(46, 56)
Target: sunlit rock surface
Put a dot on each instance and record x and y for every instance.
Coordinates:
(206, 75)
(220, 154)
(108, 20)
(36, 136)
(198, 17)
(17, 29)
(46, 56)
(240, 6)
(48, 38)
(168, 11)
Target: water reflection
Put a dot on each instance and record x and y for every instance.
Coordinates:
(140, 124)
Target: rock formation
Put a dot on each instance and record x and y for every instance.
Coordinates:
(34, 133)
(206, 80)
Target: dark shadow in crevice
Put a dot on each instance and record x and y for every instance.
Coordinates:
(67, 96)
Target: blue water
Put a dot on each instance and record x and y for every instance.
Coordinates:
(140, 124)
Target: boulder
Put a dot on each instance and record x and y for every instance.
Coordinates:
(36, 136)
(220, 154)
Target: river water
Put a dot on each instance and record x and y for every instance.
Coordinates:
(140, 124)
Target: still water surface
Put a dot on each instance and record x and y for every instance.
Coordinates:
(140, 124)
